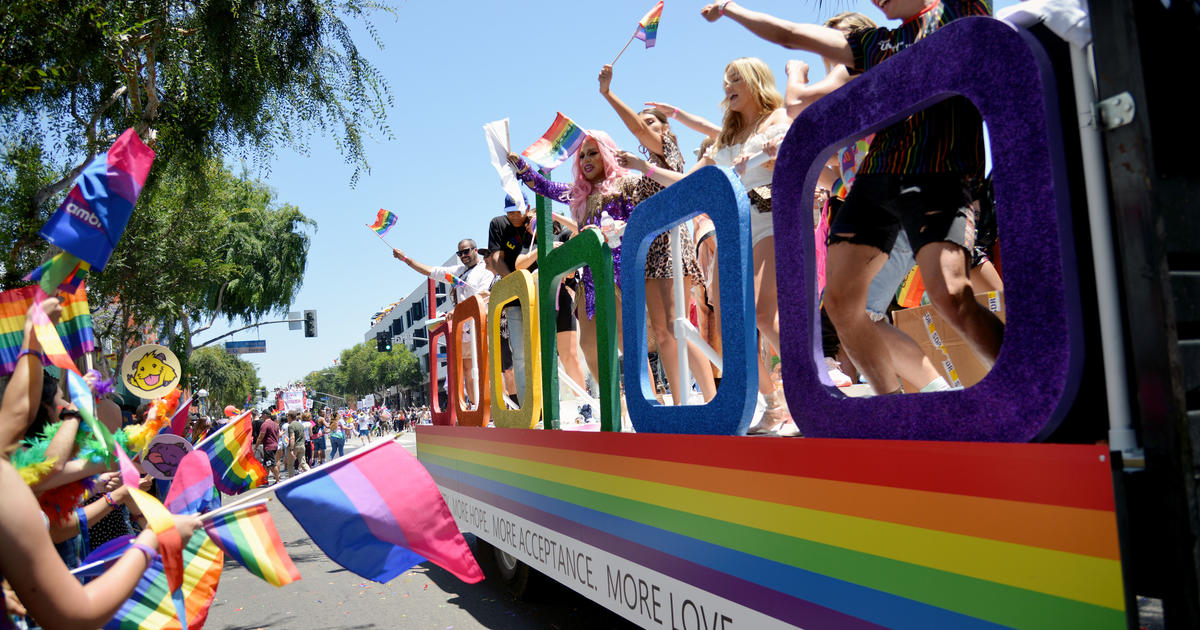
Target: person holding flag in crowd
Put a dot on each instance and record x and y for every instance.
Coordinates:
(470, 276)
(658, 144)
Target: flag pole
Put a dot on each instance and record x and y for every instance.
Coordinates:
(232, 507)
(243, 500)
(614, 61)
(380, 236)
(221, 430)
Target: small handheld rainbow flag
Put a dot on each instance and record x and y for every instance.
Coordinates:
(231, 454)
(383, 222)
(563, 138)
(249, 536)
(74, 328)
(151, 606)
(647, 30)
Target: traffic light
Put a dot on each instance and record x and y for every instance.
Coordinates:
(383, 341)
(310, 323)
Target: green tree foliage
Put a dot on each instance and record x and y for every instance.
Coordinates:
(200, 80)
(191, 256)
(364, 370)
(228, 379)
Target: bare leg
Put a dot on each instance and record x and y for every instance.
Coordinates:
(985, 278)
(766, 298)
(911, 363)
(568, 352)
(951, 293)
(849, 270)
(587, 338)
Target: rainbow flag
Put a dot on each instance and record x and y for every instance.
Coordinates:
(62, 271)
(563, 138)
(75, 327)
(249, 536)
(378, 513)
(815, 533)
(647, 30)
(231, 454)
(383, 222)
(151, 607)
(912, 289)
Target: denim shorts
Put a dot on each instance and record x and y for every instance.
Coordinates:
(885, 284)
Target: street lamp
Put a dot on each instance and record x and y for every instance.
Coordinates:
(203, 396)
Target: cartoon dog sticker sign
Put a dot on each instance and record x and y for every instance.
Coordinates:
(150, 371)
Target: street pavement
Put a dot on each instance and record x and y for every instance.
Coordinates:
(425, 597)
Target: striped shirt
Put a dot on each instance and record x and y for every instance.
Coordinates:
(944, 138)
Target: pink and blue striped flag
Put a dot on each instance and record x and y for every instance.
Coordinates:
(91, 219)
(367, 521)
(563, 138)
(192, 487)
(647, 30)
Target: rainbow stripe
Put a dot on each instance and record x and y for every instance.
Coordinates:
(383, 222)
(74, 329)
(249, 536)
(151, 608)
(912, 290)
(647, 30)
(819, 533)
(231, 454)
(563, 138)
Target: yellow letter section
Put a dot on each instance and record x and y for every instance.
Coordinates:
(519, 285)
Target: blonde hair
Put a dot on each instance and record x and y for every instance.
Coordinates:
(755, 73)
(306, 417)
(850, 21)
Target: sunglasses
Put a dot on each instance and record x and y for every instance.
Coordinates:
(464, 252)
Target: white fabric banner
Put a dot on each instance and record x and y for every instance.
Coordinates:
(496, 133)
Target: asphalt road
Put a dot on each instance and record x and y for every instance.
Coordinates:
(425, 597)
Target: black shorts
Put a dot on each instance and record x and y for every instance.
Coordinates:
(269, 459)
(565, 320)
(930, 208)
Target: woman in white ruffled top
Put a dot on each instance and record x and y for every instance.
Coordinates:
(754, 124)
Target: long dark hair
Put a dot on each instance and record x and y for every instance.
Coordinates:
(669, 135)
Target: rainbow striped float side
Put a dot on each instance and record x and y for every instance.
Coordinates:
(807, 533)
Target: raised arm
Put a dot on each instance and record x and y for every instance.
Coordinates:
(827, 42)
(23, 395)
(420, 268)
(40, 579)
(662, 176)
(800, 93)
(699, 124)
(557, 191)
(633, 122)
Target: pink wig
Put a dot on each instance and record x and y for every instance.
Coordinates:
(613, 173)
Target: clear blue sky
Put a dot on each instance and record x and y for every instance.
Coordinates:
(453, 67)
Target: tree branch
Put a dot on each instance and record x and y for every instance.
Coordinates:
(216, 311)
(53, 189)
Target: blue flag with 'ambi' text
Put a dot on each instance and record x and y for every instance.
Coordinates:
(90, 221)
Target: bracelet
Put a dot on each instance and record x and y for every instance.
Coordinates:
(109, 500)
(650, 171)
(721, 9)
(37, 353)
(150, 554)
(674, 110)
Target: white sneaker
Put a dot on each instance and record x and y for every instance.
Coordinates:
(836, 374)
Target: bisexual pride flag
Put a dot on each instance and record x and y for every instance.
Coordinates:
(377, 512)
(562, 139)
(648, 28)
(90, 221)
